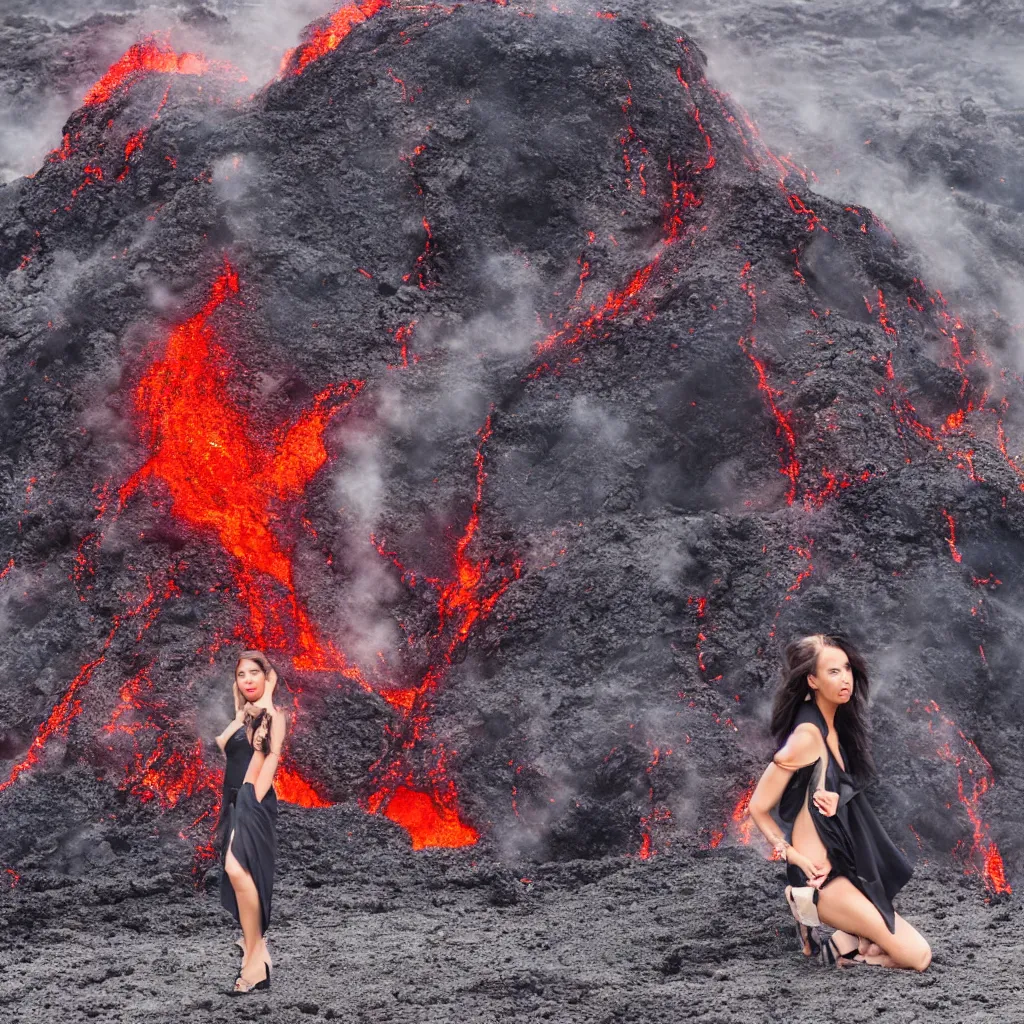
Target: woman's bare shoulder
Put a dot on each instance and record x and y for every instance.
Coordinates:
(802, 747)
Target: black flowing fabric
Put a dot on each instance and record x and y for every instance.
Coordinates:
(858, 847)
(254, 824)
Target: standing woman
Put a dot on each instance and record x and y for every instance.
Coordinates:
(842, 867)
(252, 744)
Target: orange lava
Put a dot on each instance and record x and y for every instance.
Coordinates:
(951, 538)
(292, 788)
(974, 779)
(462, 602)
(790, 464)
(225, 475)
(742, 822)
(69, 707)
(329, 37)
(428, 821)
(153, 55)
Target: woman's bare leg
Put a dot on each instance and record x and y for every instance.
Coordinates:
(843, 906)
(240, 943)
(248, 900)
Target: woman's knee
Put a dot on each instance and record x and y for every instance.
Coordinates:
(923, 957)
(915, 955)
(234, 869)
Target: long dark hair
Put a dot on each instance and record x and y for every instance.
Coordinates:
(851, 717)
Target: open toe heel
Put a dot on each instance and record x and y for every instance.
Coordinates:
(802, 905)
(832, 956)
(247, 987)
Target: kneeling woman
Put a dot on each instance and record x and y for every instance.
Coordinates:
(252, 744)
(842, 867)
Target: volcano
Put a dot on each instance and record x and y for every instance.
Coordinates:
(491, 372)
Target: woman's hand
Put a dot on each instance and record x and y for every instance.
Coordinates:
(816, 873)
(826, 802)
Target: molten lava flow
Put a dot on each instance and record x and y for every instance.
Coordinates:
(615, 305)
(403, 335)
(329, 37)
(158, 770)
(293, 788)
(421, 270)
(951, 539)
(701, 604)
(630, 141)
(710, 163)
(153, 55)
(69, 707)
(223, 476)
(741, 820)
(657, 814)
(462, 602)
(467, 598)
(428, 809)
(974, 779)
(790, 464)
(627, 299)
(428, 821)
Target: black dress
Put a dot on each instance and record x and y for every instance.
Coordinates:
(253, 823)
(858, 847)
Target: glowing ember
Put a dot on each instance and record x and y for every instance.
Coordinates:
(462, 602)
(421, 270)
(790, 465)
(742, 823)
(951, 539)
(430, 813)
(657, 814)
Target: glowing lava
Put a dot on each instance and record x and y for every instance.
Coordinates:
(69, 707)
(657, 814)
(428, 820)
(428, 809)
(293, 788)
(328, 37)
(974, 779)
(153, 55)
(225, 475)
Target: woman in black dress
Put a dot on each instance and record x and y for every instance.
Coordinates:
(252, 744)
(842, 867)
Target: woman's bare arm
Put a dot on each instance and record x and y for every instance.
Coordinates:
(230, 729)
(801, 749)
(766, 796)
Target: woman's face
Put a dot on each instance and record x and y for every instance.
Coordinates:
(832, 676)
(251, 679)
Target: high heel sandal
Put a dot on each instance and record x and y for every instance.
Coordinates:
(806, 916)
(259, 986)
(832, 956)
